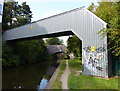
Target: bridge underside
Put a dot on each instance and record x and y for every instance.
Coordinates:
(59, 34)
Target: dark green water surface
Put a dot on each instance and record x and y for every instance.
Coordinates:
(33, 76)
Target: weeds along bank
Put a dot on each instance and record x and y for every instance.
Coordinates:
(57, 84)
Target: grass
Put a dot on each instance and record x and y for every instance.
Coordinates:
(57, 84)
(88, 82)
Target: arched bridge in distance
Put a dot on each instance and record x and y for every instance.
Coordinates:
(81, 22)
(54, 49)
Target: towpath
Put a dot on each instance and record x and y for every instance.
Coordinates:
(64, 77)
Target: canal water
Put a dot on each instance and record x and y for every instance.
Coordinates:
(34, 76)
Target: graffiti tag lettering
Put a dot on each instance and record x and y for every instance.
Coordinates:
(94, 58)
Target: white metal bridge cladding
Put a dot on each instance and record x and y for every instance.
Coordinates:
(83, 24)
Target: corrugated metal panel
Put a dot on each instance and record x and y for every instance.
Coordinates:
(81, 22)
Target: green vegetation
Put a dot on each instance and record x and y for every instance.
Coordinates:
(91, 7)
(88, 82)
(24, 52)
(74, 45)
(57, 84)
(15, 15)
(20, 52)
(110, 13)
(54, 41)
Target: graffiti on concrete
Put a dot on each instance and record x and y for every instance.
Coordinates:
(95, 58)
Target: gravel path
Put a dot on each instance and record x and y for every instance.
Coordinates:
(64, 77)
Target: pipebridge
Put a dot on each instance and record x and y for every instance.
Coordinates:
(81, 22)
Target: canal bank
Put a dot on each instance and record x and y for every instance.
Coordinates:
(53, 78)
(59, 79)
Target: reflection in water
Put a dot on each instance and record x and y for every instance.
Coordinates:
(50, 70)
(43, 84)
(19, 87)
(27, 77)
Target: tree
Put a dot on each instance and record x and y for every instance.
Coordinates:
(25, 51)
(54, 41)
(106, 11)
(74, 45)
(110, 13)
(91, 7)
(30, 51)
(114, 31)
(15, 15)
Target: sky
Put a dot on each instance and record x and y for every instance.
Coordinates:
(42, 8)
(0, 12)
(45, 8)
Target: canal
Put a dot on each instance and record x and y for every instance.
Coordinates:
(34, 76)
